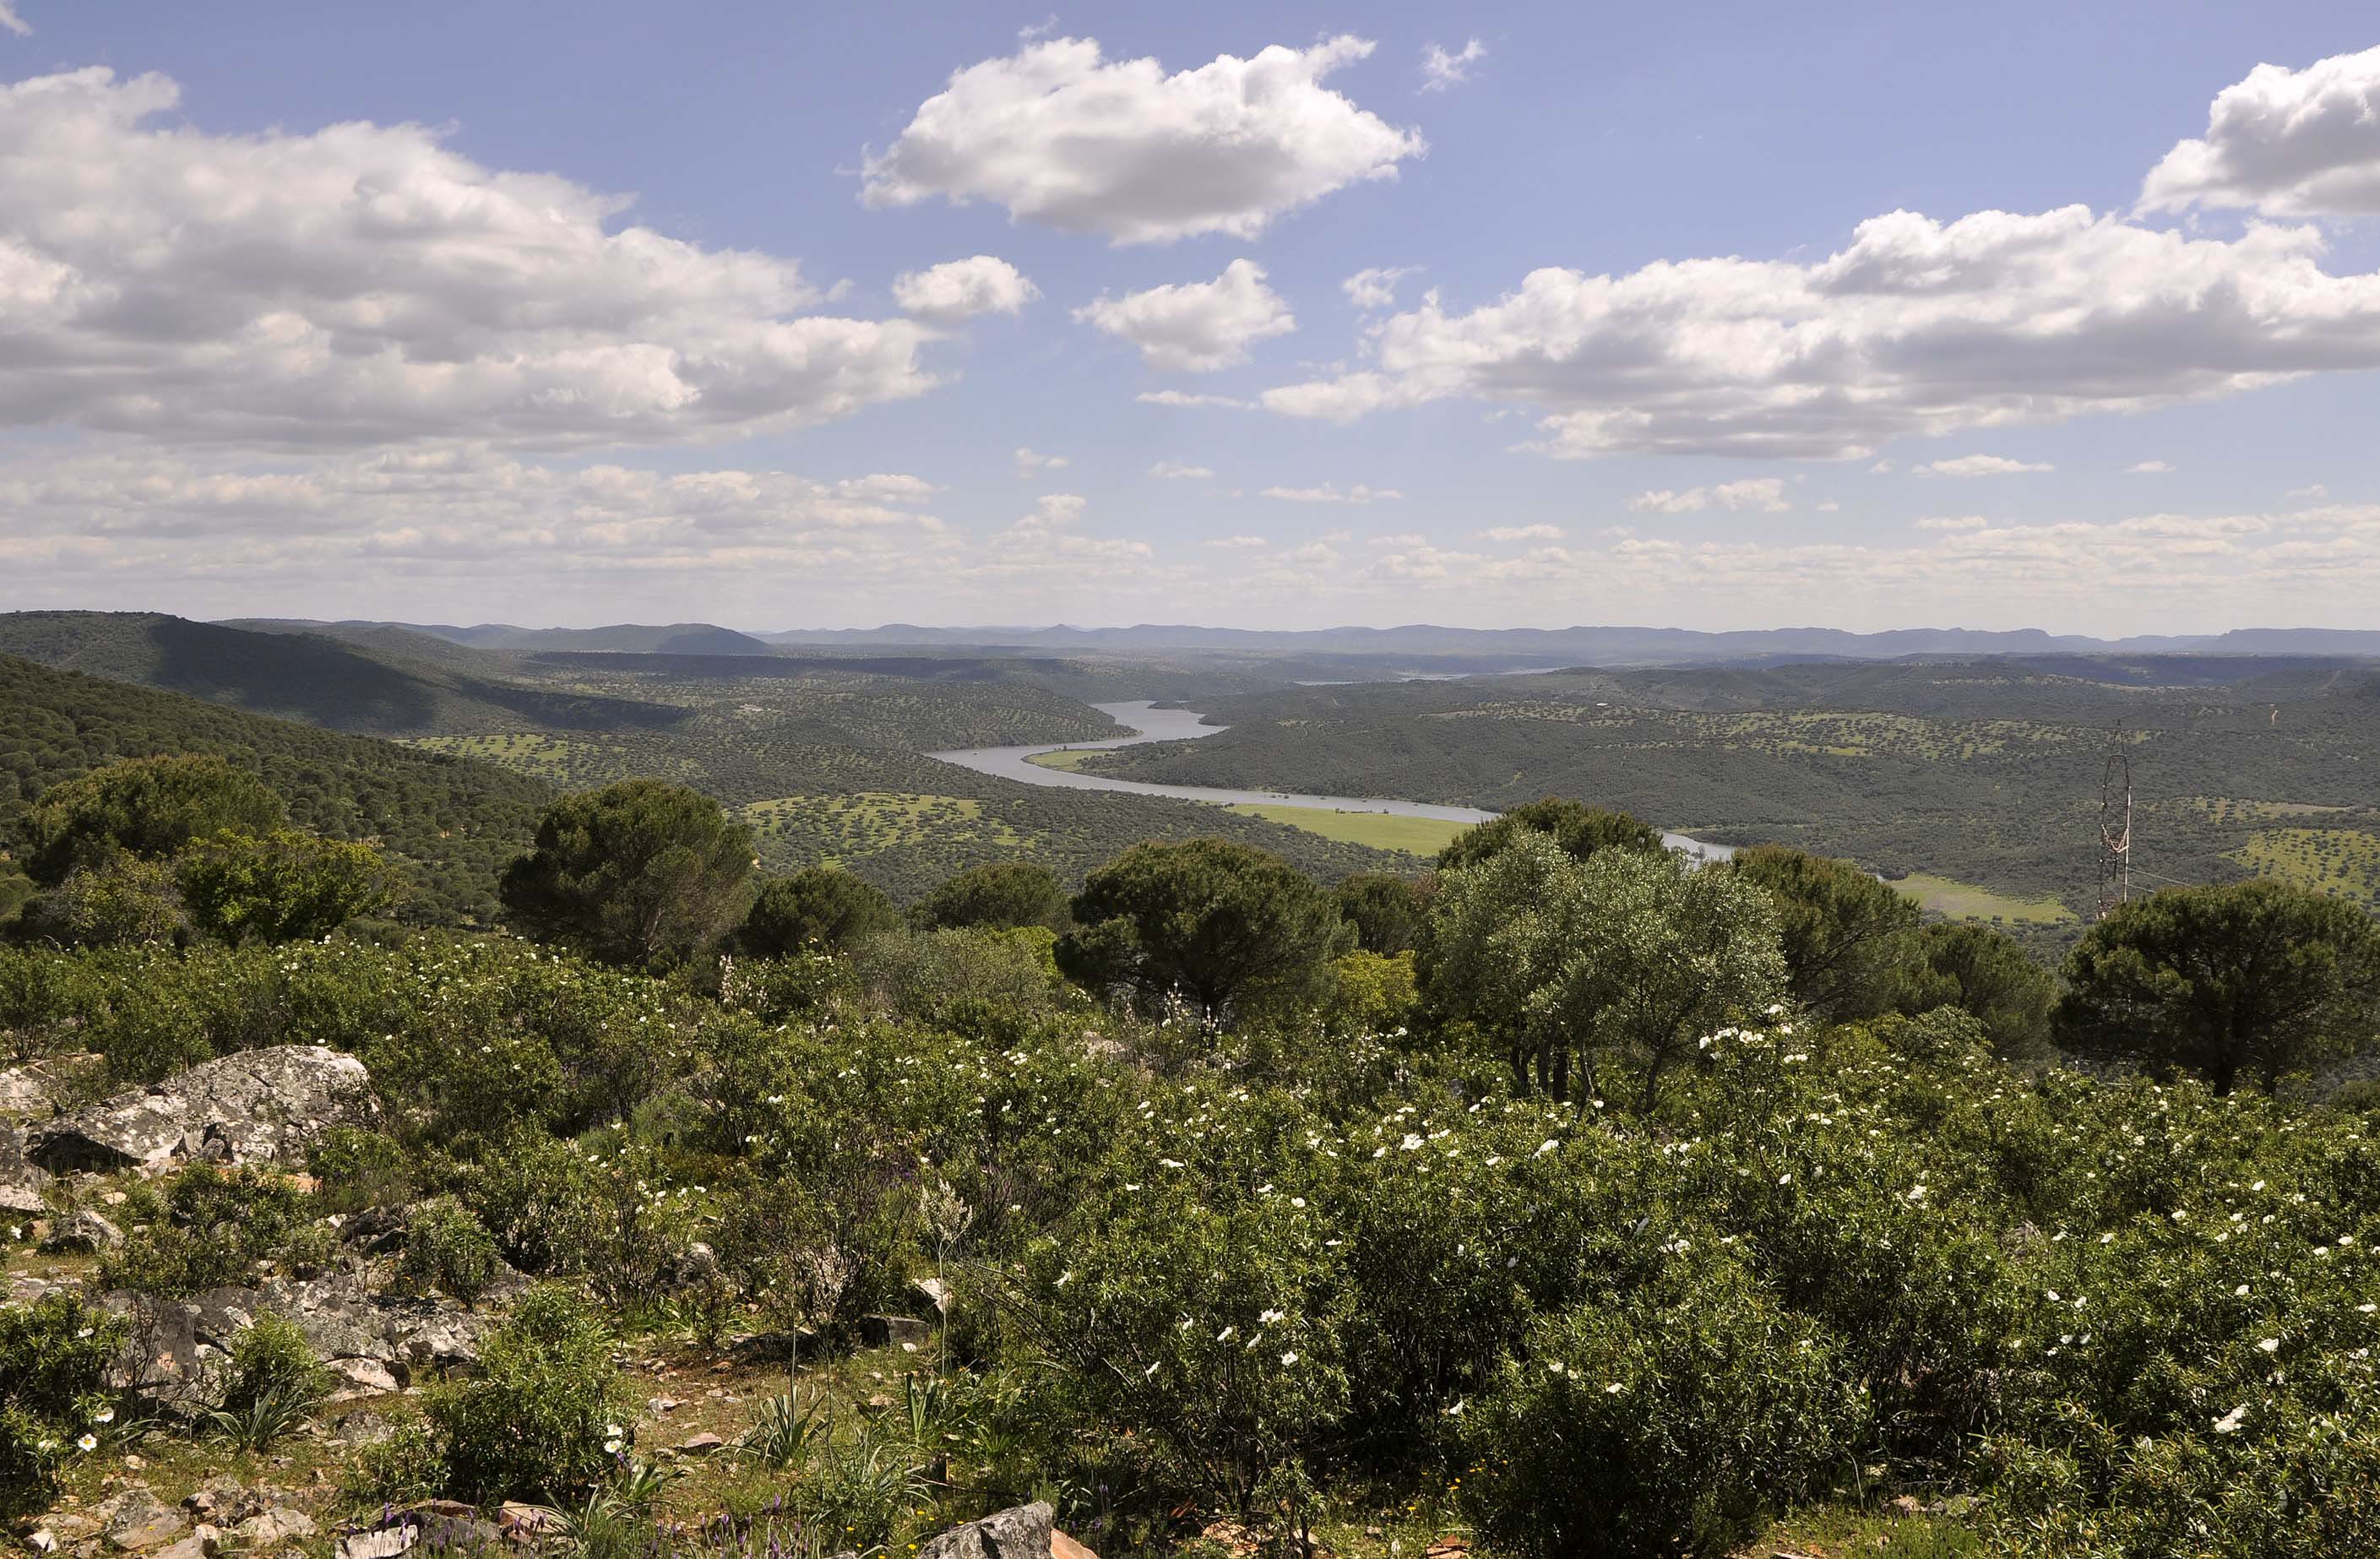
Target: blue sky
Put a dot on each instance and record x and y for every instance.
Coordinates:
(468, 312)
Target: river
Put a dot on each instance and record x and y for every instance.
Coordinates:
(1148, 723)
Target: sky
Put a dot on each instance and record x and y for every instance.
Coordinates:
(1709, 315)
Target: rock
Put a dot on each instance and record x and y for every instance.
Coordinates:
(381, 1542)
(660, 1405)
(1907, 1505)
(1020, 1532)
(278, 1525)
(364, 1375)
(257, 1106)
(528, 1523)
(198, 1545)
(42, 1540)
(882, 1330)
(84, 1231)
(1063, 1547)
(24, 1092)
(935, 1292)
(23, 1201)
(700, 1444)
(775, 1348)
(135, 1521)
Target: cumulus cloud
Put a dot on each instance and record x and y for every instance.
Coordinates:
(1409, 539)
(1441, 69)
(1184, 398)
(1918, 327)
(364, 285)
(1331, 493)
(1032, 462)
(2148, 468)
(1176, 471)
(1237, 543)
(1766, 493)
(1375, 287)
(1060, 136)
(1523, 533)
(1977, 465)
(960, 289)
(1195, 327)
(1952, 522)
(2288, 143)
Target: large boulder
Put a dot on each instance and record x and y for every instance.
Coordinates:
(1020, 1532)
(258, 1107)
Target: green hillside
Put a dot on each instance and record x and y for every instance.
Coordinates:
(449, 822)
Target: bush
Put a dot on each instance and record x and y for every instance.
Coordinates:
(218, 1226)
(55, 1357)
(818, 909)
(447, 1250)
(1665, 1419)
(540, 1420)
(271, 1382)
(355, 1169)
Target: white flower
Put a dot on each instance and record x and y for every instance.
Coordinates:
(2230, 1422)
(1289, 1358)
(88, 1442)
(1456, 1411)
(1148, 1373)
(2365, 1309)
(1410, 1143)
(1066, 1278)
(1548, 1146)
(612, 1447)
(1225, 1334)
(2270, 1344)
(1297, 1201)
(1555, 1368)
(2241, 1292)
(104, 1416)
(1785, 1178)
(1613, 1389)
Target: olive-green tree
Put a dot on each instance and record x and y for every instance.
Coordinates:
(1387, 912)
(819, 909)
(639, 873)
(286, 886)
(1579, 829)
(1225, 926)
(1623, 961)
(997, 896)
(144, 807)
(1989, 974)
(2262, 978)
(1851, 941)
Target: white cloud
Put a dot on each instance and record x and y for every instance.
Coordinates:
(2287, 144)
(1184, 398)
(1176, 471)
(1917, 328)
(1375, 287)
(1060, 136)
(364, 286)
(1031, 31)
(1030, 462)
(886, 488)
(960, 289)
(1238, 543)
(2148, 468)
(1977, 465)
(1441, 69)
(1329, 493)
(1195, 327)
(1953, 522)
(12, 21)
(1523, 533)
(1408, 539)
(1766, 493)
(2315, 490)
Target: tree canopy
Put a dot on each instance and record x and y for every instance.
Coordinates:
(1000, 895)
(145, 806)
(819, 909)
(639, 873)
(1850, 940)
(2262, 978)
(1579, 829)
(1387, 912)
(1226, 926)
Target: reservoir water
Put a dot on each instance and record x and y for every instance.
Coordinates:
(1147, 724)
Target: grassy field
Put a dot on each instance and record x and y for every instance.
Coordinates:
(1965, 901)
(1069, 758)
(1415, 836)
(2345, 862)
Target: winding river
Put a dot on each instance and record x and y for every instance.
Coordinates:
(1148, 723)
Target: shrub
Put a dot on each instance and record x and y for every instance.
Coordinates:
(271, 1382)
(447, 1250)
(542, 1419)
(54, 1355)
(355, 1169)
(218, 1226)
(818, 909)
(282, 887)
(1665, 1419)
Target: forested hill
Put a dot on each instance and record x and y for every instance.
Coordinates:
(378, 689)
(450, 822)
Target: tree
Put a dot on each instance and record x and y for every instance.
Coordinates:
(639, 873)
(2264, 977)
(1850, 941)
(1000, 895)
(816, 908)
(145, 806)
(1228, 926)
(1990, 975)
(1387, 912)
(1579, 829)
(1625, 958)
(122, 901)
(287, 886)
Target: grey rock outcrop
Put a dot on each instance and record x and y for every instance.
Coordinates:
(257, 1106)
(22, 1180)
(84, 1231)
(1019, 1532)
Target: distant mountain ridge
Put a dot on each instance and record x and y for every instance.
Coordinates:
(1596, 645)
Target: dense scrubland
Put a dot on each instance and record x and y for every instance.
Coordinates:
(1560, 1200)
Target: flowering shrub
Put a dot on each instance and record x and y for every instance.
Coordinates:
(542, 1419)
(54, 1355)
